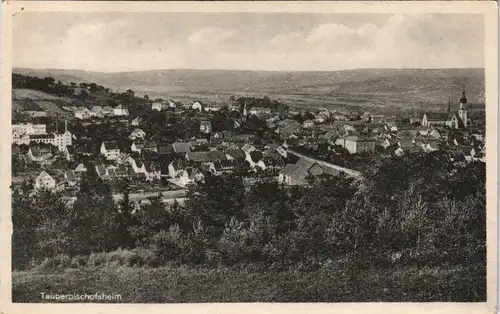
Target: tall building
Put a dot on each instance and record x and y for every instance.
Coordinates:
(61, 140)
(462, 112)
(456, 120)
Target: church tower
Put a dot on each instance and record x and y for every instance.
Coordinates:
(462, 112)
(245, 111)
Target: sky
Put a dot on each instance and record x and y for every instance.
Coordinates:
(115, 42)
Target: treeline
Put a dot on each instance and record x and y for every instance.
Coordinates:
(47, 84)
(415, 210)
(260, 102)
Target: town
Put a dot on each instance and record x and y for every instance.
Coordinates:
(162, 146)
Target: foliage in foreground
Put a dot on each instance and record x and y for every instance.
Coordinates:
(415, 213)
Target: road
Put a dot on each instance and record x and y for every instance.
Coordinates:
(168, 196)
(350, 172)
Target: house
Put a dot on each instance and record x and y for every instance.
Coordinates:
(205, 126)
(172, 104)
(357, 144)
(197, 106)
(273, 162)
(406, 146)
(324, 112)
(386, 143)
(308, 124)
(137, 134)
(137, 147)
(182, 174)
(39, 154)
(433, 145)
(82, 113)
(96, 111)
(318, 119)
(120, 110)
(391, 126)
(152, 171)
(80, 168)
(150, 147)
(235, 154)
(175, 167)
(377, 118)
(181, 147)
(29, 129)
(248, 148)
(102, 172)
(136, 121)
(69, 152)
(255, 159)
(107, 111)
(468, 152)
(199, 144)
(165, 150)
(205, 157)
(216, 137)
(110, 150)
(211, 109)
(45, 181)
(70, 178)
(257, 111)
(435, 134)
(223, 166)
(275, 150)
(158, 106)
(350, 128)
(227, 135)
(296, 174)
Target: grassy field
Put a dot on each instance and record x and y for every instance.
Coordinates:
(179, 284)
(28, 99)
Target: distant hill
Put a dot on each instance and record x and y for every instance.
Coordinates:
(370, 89)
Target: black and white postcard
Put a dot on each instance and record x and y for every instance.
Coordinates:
(291, 156)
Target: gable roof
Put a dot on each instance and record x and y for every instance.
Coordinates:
(358, 138)
(205, 156)
(248, 148)
(405, 143)
(111, 145)
(437, 116)
(236, 153)
(44, 175)
(181, 147)
(137, 131)
(224, 165)
(70, 176)
(101, 170)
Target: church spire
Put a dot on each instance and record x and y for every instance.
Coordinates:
(463, 100)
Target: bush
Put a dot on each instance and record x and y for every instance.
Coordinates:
(78, 261)
(97, 259)
(58, 261)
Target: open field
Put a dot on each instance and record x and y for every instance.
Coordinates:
(186, 284)
(28, 99)
(382, 90)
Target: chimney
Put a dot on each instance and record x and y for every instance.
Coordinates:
(57, 123)
(449, 104)
(65, 126)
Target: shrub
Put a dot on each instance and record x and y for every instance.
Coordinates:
(79, 261)
(144, 257)
(97, 259)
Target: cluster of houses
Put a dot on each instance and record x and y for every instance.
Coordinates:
(217, 153)
(84, 113)
(28, 133)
